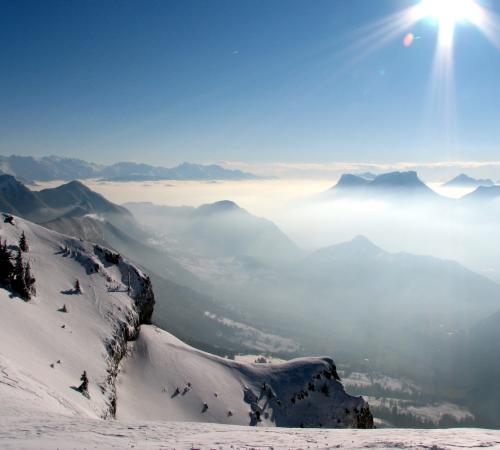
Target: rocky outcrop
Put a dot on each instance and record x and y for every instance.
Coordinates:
(138, 284)
(316, 401)
(139, 288)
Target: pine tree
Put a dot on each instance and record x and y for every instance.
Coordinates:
(29, 281)
(77, 287)
(23, 243)
(18, 281)
(6, 266)
(84, 387)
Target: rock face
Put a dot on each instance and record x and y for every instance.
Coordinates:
(138, 284)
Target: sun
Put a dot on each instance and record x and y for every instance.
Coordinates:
(447, 14)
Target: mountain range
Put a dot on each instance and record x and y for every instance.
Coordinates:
(183, 298)
(404, 187)
(262, 293)
(50, 168)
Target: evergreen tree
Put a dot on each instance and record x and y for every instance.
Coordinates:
(18, 281)
(22, 280)
(6, 266)
(29, 281)
(77, 287)
(84, 387)
(23, 243)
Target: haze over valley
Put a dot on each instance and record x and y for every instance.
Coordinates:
(236, 283)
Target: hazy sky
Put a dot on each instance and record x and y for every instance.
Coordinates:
(237, 80)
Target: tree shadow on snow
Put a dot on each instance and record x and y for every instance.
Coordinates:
(77, 389)
(70, 292)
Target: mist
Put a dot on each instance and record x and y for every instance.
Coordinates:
(458, 232)
(397, 280)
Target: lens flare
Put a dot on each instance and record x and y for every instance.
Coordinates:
(408, 40)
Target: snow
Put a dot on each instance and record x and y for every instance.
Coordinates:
(381, 382)
(43, 352)
(35, 334)
(64, 433)
(163, 384)
(165, 379)
(255, 339)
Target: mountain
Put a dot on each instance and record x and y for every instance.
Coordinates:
(185, 303)
(184, 171)
(393, 185)
(50, 168)
(16, 198)
(47, 168)
(44, 348)
(136, 371)
(483, 194)
(75, 193)
(72, 197)
(361, 279)
(220, 229)
(464, 181)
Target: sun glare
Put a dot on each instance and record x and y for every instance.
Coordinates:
(447, 14)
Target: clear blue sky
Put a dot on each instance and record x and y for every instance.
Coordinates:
(165, 81)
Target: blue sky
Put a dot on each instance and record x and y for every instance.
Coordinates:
(237, 80)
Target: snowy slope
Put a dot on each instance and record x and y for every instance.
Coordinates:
(43, 352)
(66, 433)
(165, 379)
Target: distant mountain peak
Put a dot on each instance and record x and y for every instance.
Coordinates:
(75, 185)
(349, 180)
(398, 179)
(392, 183)
(358, 244)
(361, 240)
(464, 180)
(222, 206)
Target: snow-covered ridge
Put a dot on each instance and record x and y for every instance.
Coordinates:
(165, 379)
(48, 342)
(137, 371)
